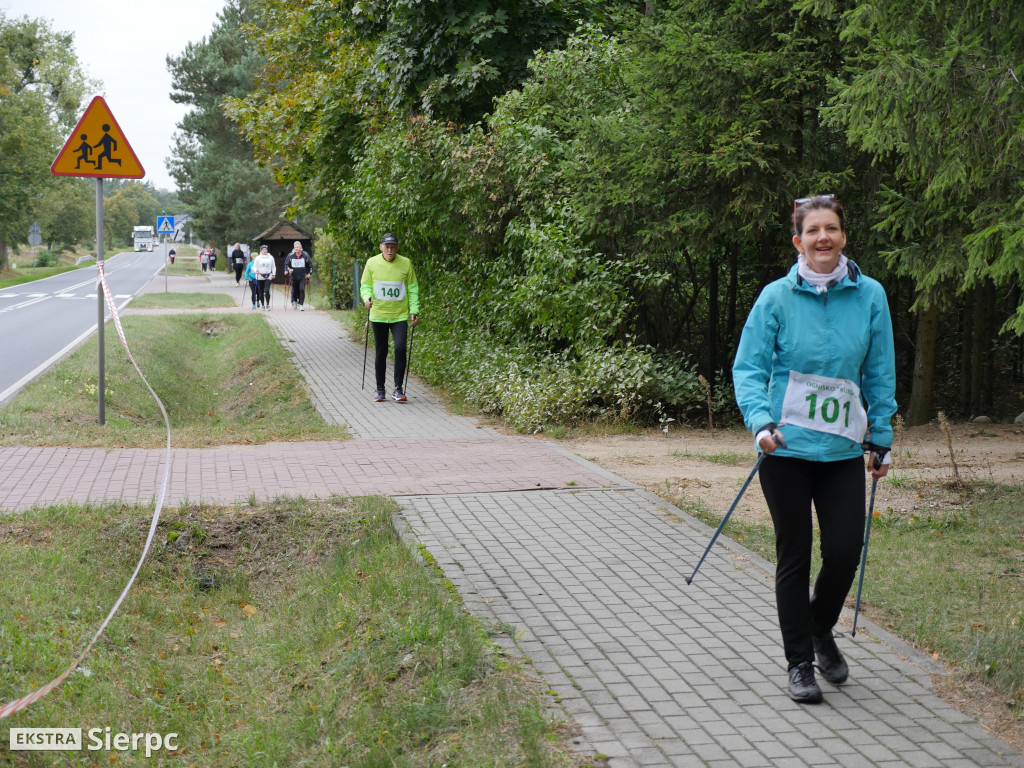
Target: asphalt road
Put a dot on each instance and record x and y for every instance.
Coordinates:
(42, 321)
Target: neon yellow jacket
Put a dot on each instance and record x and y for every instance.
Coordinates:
(392, 286)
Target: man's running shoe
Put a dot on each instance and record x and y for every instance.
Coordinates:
(301, 308)
(398, 395)
(830, 660)
(381, 396)
(803, 688)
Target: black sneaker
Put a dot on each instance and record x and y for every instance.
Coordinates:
(830, 661)
(803, 688)
(381, 397)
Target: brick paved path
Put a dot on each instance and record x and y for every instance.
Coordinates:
(586, 569)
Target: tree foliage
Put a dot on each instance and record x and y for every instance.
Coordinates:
(66, 212)
(230, 197)
(939, 88)
(41, 88)
(592, 214)
(449, 60)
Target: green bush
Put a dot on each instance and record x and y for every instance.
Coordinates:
(534, 389)
(522, 318)
(48, 259)
(334, 263)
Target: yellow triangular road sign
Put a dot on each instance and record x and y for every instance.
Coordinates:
(98, 147)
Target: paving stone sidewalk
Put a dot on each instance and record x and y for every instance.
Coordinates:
(587, 573)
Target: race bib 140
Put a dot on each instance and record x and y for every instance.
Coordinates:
(825, 404)
(389, 290)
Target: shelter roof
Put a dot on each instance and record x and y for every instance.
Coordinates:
(284, 230)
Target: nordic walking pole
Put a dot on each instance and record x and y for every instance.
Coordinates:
(408, 361)
(867, 537)
(245, 285)
(366, 346)
(777, 436)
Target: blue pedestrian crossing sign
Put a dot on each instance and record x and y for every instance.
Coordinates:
(165, 225)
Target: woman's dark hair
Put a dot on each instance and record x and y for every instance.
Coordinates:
(814, 203)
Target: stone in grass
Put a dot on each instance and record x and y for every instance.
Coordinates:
(981, 420)
(208, 581)
(1019, 421)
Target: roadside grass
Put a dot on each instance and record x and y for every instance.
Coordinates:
(183, 266)
(727, 458)
(22, 275)
(950, 582)
(26, 274)
(290, 633)
(182, 301)
(593, 429)
(186, 261)
(223, 378)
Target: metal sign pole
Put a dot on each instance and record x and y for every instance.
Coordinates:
(101, 385)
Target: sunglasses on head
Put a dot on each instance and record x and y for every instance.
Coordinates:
(800, 201)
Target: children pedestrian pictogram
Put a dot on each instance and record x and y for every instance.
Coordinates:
(109, 144)
(84, 150)
(98, 147)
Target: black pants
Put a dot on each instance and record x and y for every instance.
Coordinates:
(238, 273)
(254, 286)
(380, 340)
(837, 490)
(299, 290)
(263, 291)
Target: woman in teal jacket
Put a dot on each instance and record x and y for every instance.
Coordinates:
(815, 364)
(249, 275)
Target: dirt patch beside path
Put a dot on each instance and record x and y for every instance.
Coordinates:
(711, 465)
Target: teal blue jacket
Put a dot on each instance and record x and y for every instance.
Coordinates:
(845, 333)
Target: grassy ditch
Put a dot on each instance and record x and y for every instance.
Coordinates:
(224, 379)
(951, 582)
(289, 633)
(182, 301)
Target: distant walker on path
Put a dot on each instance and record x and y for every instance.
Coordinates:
(238, 262)
(390, 291)
(265, 269)
(299, 267)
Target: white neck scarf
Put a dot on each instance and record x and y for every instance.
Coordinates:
(821, 281)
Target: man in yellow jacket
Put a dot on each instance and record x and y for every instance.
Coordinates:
(389, 289)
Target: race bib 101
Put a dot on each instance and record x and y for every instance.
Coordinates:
(389, 290)
(825, 405)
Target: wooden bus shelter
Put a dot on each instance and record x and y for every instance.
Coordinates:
(280, 240)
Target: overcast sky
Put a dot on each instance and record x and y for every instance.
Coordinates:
(125, 44)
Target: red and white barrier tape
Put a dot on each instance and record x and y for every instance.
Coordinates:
(14, 706)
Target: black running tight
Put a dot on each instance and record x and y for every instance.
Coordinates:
(400, 331)
(836, 489)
